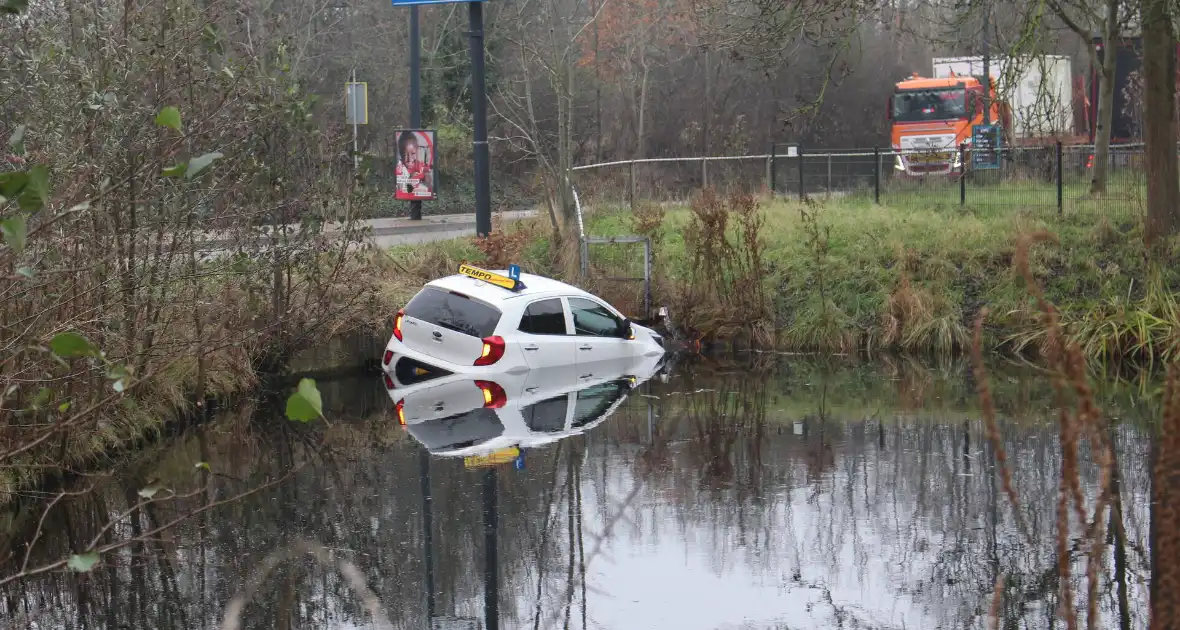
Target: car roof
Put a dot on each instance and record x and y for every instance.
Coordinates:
(534, 286)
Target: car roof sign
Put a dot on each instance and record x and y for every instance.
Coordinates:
(512, 284)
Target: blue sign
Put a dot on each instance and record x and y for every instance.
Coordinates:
(986, 143)
(514, 272)
(406, 3)
(518, 463)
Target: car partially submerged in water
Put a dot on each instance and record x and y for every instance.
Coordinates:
(490, 420)
(482, 322)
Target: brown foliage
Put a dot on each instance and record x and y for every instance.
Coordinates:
(725, 294)
(1165, 517)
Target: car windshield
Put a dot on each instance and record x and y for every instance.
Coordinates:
(920, 105)
(453, 311)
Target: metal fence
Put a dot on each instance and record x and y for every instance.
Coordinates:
(1052, 179)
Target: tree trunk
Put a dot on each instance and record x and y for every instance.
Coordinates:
(597, 90)
(640, 144)
(1105, 99)
(1159, 120)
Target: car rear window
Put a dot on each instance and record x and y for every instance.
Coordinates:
(453, 311)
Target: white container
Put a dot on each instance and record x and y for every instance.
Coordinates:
(1038, 89)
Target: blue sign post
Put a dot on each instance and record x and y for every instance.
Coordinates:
(479, 105)
(986, 143)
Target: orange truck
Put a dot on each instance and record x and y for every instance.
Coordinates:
(932, 118)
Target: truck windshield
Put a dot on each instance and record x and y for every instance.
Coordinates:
(919, 105)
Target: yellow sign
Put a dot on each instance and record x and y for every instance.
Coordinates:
(487, 276)
(502, 456)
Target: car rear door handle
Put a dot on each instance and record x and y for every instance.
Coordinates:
(585, 347)
(531, 347)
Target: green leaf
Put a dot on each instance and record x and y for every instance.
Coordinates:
(36, 192)
(15, 231)
(16, 141)
(64, 407)
(176, 170)
(68, 345)
(43, 395)
(12, 183)
(169, 117)
(199, 164)
(25, 272)
(202, 466)
(119, 386)
(150, 490)
(305, 404)
(83, 563)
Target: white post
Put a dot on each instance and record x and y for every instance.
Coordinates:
(356, 158)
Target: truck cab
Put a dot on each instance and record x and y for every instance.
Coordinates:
(932, 117)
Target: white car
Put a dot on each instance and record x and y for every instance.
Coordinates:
(481, 322)
(489, 420)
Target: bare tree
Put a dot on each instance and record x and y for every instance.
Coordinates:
(1159, 119)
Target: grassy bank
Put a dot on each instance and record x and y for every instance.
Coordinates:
(845, 276)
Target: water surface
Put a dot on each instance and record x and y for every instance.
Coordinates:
(752, 494)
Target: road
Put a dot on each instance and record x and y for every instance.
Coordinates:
(399, 231)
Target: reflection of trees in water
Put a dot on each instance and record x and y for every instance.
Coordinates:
(903, 502)
(362, 503)
(860, 511)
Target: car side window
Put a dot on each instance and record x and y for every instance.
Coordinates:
(592, 402)
(547, 416)
(593, 319)
(544, 317)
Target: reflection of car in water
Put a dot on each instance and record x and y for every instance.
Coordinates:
(463, 416)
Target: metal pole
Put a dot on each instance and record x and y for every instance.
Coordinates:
(877, 175)
(770, 170)
(491, 573)
(829, 173)
(963, 174)
(479, 111)
(1060, 183)
(802, 192)
(646, 278)
(631, 170)
(356, 154)
(427, 527)
(704, 173)
(416, 92)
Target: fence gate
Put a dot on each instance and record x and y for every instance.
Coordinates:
(618, 268)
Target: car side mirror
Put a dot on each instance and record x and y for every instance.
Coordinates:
(625, 330)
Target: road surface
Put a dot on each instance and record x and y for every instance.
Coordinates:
(399, 231)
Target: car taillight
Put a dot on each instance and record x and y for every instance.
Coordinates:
(388, 357)
(401, 412)
(397, 324)
(493, 395)
(493, 350)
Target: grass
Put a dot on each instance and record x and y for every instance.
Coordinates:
(846, 275)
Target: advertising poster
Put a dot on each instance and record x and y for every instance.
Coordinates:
(417, 179)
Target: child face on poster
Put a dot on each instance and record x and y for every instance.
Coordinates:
(414, 169)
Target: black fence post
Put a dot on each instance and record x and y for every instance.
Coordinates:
(1060, 182)
(802, 189)
(877, 175)
(773, 188)
(963, 174)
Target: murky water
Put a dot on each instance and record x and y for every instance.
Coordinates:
(790, 494)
